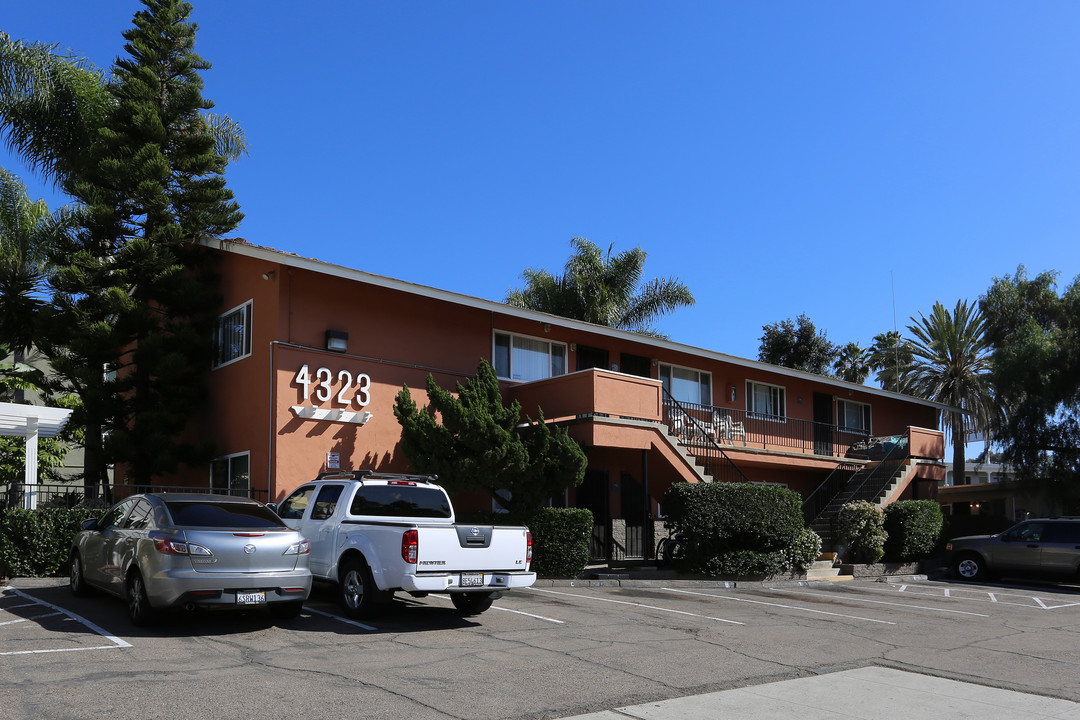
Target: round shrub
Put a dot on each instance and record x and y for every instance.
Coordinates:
(913, 528)
(560, 541)
(806, 548)
(861, 528)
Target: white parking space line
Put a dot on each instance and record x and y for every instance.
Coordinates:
(852, 598)
(345, 620)
(778, 605)
(640, 605)
(516, 612)
(22, 620)
(973, 595)
(116, 642)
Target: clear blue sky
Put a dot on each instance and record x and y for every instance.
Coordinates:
(778, 157)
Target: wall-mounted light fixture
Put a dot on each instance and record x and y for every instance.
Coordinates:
(547, 327)
(337, 340)
(731, 391)
(573, 347)
(655, 362)
(268, 275)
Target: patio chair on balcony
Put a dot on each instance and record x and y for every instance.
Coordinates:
(727, 429)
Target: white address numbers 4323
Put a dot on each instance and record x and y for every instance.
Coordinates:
(360, 386)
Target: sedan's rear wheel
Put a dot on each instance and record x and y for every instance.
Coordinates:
(140, 612)
(76, 581)
(472, 603)
(969, 566)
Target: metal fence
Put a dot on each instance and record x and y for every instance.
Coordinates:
(68, 495)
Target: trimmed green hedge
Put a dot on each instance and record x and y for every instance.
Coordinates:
(913, 528)
(560, 541)
(36, 543)
(861, 528)
(740, 528)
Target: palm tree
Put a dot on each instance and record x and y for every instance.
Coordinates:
(602, 289)
(890, 356)
(852, 363)
(951, 365)
(27, 231)
(52, 106)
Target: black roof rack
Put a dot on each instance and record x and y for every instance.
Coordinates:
(361, 474)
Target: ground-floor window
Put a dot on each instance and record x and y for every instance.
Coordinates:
(853, 415)
(231, 474)
(687, 385)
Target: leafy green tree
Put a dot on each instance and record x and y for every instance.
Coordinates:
(951, 365)
(475, 443)
(602, 289)
(852, 363)
(1036, 375)
(890, 358)
(797, 345)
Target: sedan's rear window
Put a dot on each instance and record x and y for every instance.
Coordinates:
(187, 513)
(400, 501)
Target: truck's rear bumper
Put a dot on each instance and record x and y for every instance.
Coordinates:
(445, 582)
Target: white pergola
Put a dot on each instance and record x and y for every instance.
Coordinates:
(31, 422)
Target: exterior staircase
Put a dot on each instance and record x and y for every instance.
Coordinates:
(878, 483)
(827, 567)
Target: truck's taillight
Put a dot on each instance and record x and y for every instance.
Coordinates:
(409, 546)
(528, 547)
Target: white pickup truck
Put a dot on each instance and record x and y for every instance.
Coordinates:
(375, 533)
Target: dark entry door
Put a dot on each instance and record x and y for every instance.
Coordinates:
(590, 357)
(592, 495)
(823, 424)
(632, 497)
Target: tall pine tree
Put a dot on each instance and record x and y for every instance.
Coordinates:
(133, 292)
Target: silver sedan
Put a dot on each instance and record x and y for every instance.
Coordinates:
(179, 550)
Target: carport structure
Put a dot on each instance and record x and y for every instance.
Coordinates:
(31, 422)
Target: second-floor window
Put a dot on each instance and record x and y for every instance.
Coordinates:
(767, 400)
(518, 357)
(853, 415)
(686, 384)
(232, 335)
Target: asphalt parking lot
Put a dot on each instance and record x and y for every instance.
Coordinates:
(552, 651)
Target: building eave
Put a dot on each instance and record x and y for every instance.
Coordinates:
(243, 247)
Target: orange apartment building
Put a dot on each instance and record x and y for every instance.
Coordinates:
(310, 356)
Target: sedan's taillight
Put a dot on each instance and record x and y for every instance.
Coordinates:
(410, 546)
(179, 547)
(301, 548)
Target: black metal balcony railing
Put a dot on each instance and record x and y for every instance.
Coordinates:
(696, 435)
(740, 428)
(75, 495)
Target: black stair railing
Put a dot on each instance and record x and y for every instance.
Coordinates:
(692, 431)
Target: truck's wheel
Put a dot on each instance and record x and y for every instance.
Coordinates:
(471, 603)
(357, 591)
(969, 566)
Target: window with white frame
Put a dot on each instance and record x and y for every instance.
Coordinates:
(232, 335)
(767, 400)
(518, 357)
(687, 385)
(853, 415)
(231, 474)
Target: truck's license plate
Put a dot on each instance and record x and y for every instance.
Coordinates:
(471, 579)
(251, 598)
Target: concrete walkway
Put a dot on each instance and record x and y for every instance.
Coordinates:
(871, 693)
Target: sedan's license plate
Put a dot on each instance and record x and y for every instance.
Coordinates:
(472, 579)
(251, 598)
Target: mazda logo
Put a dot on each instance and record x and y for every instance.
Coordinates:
(249, 549)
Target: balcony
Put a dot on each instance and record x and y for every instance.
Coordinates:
(702, 425)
